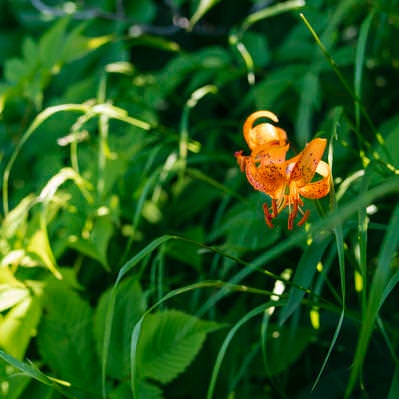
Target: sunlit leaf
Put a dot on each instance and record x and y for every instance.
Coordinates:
(169, 342)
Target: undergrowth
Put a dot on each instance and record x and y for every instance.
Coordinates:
(135, 259)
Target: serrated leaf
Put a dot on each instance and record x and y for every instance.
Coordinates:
(129, 306)
(169, 342)
(65, 337)
(146, 390)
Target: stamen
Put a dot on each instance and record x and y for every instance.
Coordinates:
(275, 208)
(268, 216)
(291, 216)
(304, 218)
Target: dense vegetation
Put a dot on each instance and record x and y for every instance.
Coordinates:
(135, 258)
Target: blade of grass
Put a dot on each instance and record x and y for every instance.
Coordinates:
(179, 291)
(362, 242)
(268, 12)
(223, 349)
(190, 104)
(335, 218)
(103, 129)
(339, 239)
(203, 7)
(394, 390)
(31, 371)
(377, 295)
(98, 109)
(146, 251)
(304, 273)
(352, 94)
(359, 62)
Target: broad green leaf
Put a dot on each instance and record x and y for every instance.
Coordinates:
(39, 246)
(276, 84)
(10, 296)
(394, 389)
(129, 306)
(15, 70)
(309, 93)
(51, 43)
(146, 390)
(244, 227)
(303, 277)
(258, 47)
(65, 337)
(19, 325)
(16, 219)
(141, 11)
(94, 242)
(387, 150)
(169, 342)
(285, 346)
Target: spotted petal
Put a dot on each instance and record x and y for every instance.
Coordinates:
(320, 188)
(309, 159)
(266, 171)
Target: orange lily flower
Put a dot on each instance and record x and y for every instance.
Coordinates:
(284, 181)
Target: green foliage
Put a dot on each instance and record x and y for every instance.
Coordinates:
(135, 261)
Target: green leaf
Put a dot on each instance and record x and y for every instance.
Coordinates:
(141, 11)
(13, 383)
(17, 218)
(51, 43)
(185, 251)
(10, 296)
(19, 325)
(376, 298)
(257, 46)
(169, 342)
(65, 337)
(387, 150)
(32, 371)
(285, 346)
(244, 227)
(96, 239)
(146, 390)
(15, 70)
(303, 277)
(129, 306)
(203, 7)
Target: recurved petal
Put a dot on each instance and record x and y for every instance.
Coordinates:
(307, 163)
(263, 133)
(319, 188)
